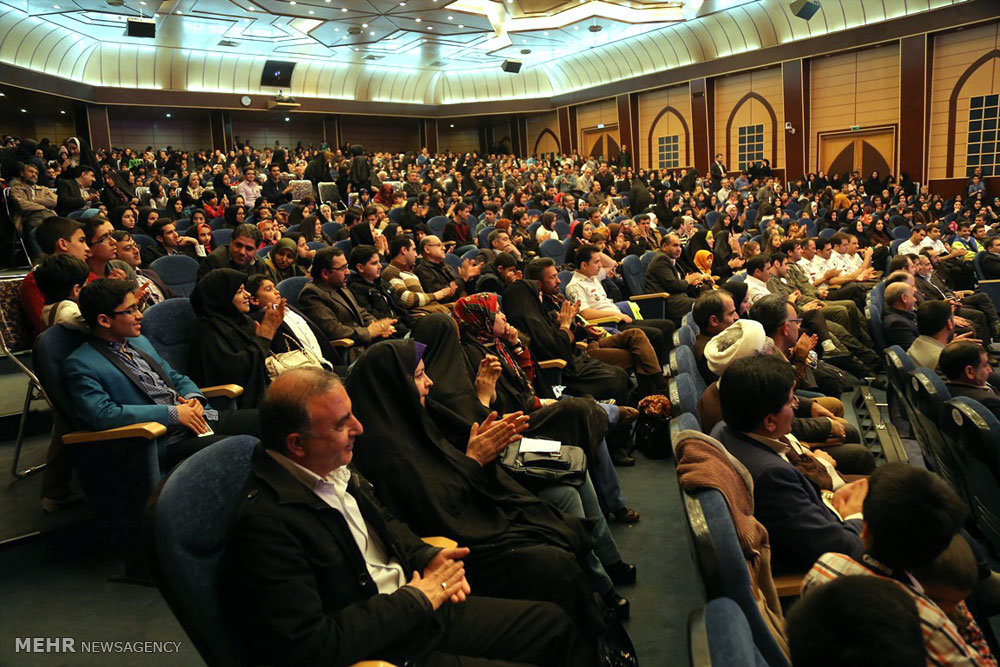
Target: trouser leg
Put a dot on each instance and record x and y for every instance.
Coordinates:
(660, 335)
(982, 303)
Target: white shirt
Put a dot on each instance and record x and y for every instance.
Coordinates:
(810, 267)
(387, 573)
(840, 261)
(937, 246)
(908, 247)
(755, 289)
(303, 333)
(589, 292)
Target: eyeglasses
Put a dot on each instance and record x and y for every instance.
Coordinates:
(796, 320)
(128, 311)
(339, 268)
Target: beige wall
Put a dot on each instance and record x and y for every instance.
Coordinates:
(953, 54)
(463, 138)
(650, 106)
(545, 142)
(589, 116)
(728, 93)
(853, 89)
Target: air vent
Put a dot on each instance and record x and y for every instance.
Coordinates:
(525, 52)
(437, 63)
(595, 28)
(354, 30)
(116, 3)
(228, 42)
(374, 57)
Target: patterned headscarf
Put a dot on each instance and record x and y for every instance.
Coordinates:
(477, 314)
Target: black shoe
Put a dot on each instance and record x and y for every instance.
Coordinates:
(620, 458)
(879, 383)
(616, 604)
(621, 573)
(625, 515)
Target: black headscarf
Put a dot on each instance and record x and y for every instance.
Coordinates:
(227, 349)
(429, 484)
(698, 241)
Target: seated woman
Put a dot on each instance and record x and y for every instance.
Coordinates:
(229, 347)
(280, 263)
(521, 547)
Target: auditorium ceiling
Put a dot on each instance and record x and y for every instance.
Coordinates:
(410, 51)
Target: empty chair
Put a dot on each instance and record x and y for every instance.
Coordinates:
(553, 249)
(682, 361)
(634, 273)
(898, 365)
(437, 224)
(289, 289)
(683, 395)
(178, 272)
(170, 326)
(186, 528)
(972, 434)
(562, 228)
(222, 236)
(328, 193)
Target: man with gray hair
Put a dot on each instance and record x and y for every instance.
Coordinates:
(899, 324)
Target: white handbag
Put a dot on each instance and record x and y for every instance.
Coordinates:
(280, 362)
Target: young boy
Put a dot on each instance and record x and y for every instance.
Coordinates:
(59, 278)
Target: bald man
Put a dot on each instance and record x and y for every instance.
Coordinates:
(668, 274)
(899, 323)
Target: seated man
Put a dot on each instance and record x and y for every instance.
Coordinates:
(667, 274)
(976, 307)
(435, 274)
(117, 379)
(909, 517)
(58, 236)
(32, 203)
(991, 260)
(498, 273)
(330, 304)
(713, 312)
(585, 287)
(400, 278)
(936, 325)
(966, 368)
(128, 252)
(499, 241)
(758, 403)
(169, 242)
(316, 572)
(77, 194)
(758, 270)
(899, 324)
(371, 293)
(240, 254)
(912, 245)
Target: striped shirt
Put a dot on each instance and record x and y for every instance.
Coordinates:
(407, 287)
(942, 640)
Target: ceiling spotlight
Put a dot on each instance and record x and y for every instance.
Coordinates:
(56, 7)
(62, 112)
(143, 3)
(336, 29)
(292, 2)
(3, 95)
(24, 111)
(402, 4)
(287, 119)
(364, 25)
(343, 9)
(460, 25)
(451, 18)
(356, 48)
(178, 12)
(311, 11)
(430, 27)
(546, 32)
(168, 115)
(418, 20)
(452, 125)
(372, 34)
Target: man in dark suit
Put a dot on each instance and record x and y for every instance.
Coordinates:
(667, 274)
(899, 324)
(435, 274)
(75, 194)
(991, 260)
(717, 171)
(169, 242)
(316, 572)
(118, 379)
(713, 311)
(330, 304)
(240, 253)
(975, 307)
(966, 368)
(276, 189)
(758, 403)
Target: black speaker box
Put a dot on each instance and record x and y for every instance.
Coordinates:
(511, 66)
(136, 28)
(805, 9)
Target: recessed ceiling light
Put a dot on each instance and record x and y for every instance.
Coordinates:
(287, 119)
(452, 125)
(336, 29)
(372, 34)
(3, 95)
(311, 11)
(24, 111)
(178, 12)
(451, 18)
(546, 32)
(418, 20)
(62, 112)
(143, 3)
(56, 7)
(430, 27)
(460, 25)
(356, 48)
(402, 4)
(168, 115)
(292, 2)
(364, 25)
(343, 9)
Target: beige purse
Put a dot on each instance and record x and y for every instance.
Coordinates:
(277, 364)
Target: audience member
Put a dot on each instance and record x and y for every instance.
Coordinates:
(371, 293)
(399, 276)
(32, 203)
(60, 278)
(60, 236)
(966, 368)
(436, 275)
(239, 254)
(899, 324)
(668, 275)
(713, 312)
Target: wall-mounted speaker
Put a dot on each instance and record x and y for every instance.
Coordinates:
(140, 28)
(805, 9)
(511, 66)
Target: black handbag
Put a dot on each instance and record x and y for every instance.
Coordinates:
(536, 470)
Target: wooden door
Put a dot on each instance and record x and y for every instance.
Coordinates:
(601, 143)
(864, 151)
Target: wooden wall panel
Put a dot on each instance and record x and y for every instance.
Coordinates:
(756, 99)
(401, 134)
(462, 138)
(137, 128)
(264, 129)
(655, 120)
(853, 89)
(954, 53)
(589, 116)
(543, 131)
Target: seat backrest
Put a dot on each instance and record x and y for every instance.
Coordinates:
(264, 251)
(688, 321)
(875, 326)
(178, 272)
(316, 245)
(331, 228)
(12, 328)
(326, 191)
(222, 236)
(187, 526)
(900, 232)
(564, 278)
(683, 395)
(751, 216)
(561, 228)
(894, 246)
(453, 260)
(685, 335)
(682, 361)
(898, 366)
(289, 289)
(723, 566)
(827, 233)
(686, 421)
(144, 242)
(395, 214)
(728, 636)
(928, 391)
(977, 263)
(646, 258)
(553, 249)
(171, 327)
(48, 356)
(344, 245)
(634, 273)
(220, 222)
(437, 224)
(182, 225)
(711, 218)
(484, 236)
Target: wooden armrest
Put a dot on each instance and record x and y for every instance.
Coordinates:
(603, 320)
(655, 295)
(440, 542)
(992, 281)
(144, 430)
(224, 390)
(581, 345)
(789, 585)
(342, 342)
(373, 663)
(552, 363)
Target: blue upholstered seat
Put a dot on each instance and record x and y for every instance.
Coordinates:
(289, 289)
(178, 272)
(171, 326)
(683, 395)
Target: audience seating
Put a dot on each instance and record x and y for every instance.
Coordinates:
(720, 635)
(344, 246)
(972, 435)
(222, 236)
(682, 362)
(437, 225)
(685, 335)
(144, 242)
(12, 346)
(483, 237)
(651, 305)
(683, 394)
(989, 287)
(265, 251)
(182, 225)
(827, 233)
(178, 272)
(326, 191)
(454, 261)
(289, 289)
(330, 229)
(928, 395)
(217, 223)
(553, 249)
(901, 232)
(318, 245)
(686, 421)
(688, 321)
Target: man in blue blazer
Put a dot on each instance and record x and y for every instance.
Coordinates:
(117, 378)
(803, 521)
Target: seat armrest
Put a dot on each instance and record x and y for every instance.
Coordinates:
(655, 295)
(440, 542)
(144, 430)
(582, 346)
(373, 663)
(223, 390)
(789, 585)
(552, 363)
(603, 320)
(992, 281)
(342, 342)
